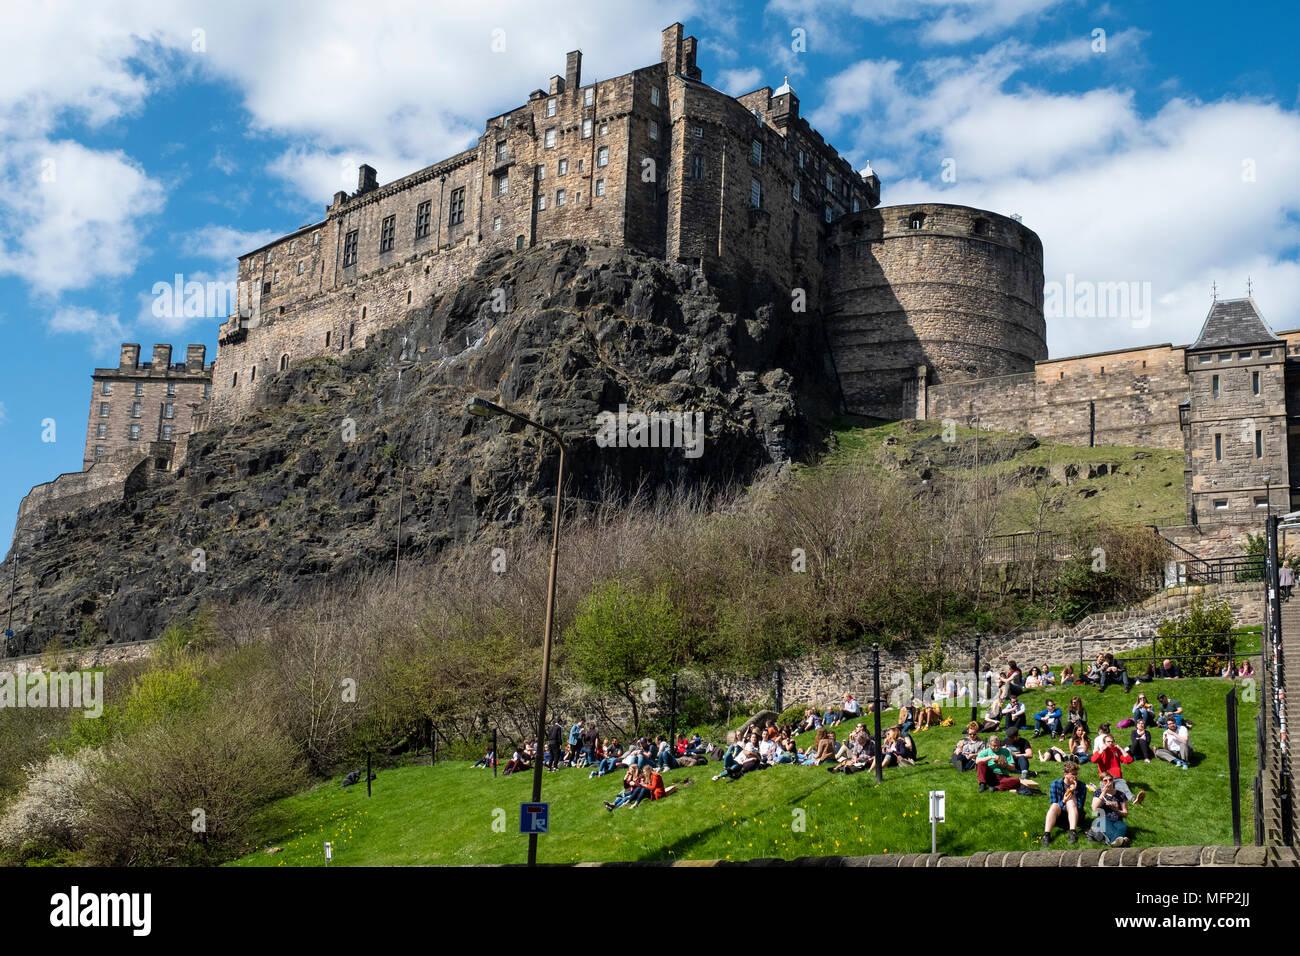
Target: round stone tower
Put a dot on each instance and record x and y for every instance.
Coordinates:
(929, 293)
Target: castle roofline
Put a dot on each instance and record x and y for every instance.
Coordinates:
(1233, 322)
(1088, 355)
(288, 235)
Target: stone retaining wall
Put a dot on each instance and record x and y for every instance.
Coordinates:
(1129, 856)
(79, 658)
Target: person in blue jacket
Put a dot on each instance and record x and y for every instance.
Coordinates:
(1048, 721)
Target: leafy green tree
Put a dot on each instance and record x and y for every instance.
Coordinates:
(1204, 630)
(627, 643)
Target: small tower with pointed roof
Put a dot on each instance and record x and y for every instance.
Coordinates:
(1234, 420)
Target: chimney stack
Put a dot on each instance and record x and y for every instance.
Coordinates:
(130, 356)
(689, 48)
(367, 179)
(672, 48)
(162, 356)
(573, 70)
(195, 356)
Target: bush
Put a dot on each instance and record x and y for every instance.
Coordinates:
(1204, 630)
(50, 814)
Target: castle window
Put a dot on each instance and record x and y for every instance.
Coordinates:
(363, 311)
(654, 130)
(387, 233)
(1062, 375)
(1214, 386)
(302, 267)
(167, 433)
(266, 288)
(756, 153)
(99, 451)
(600, 187)
(697, 166)
(548, 139)
(1244, 355)
(139, 389)
(602, 156)
(315, 238)
(234, 379)
(252, 377)
(133, 433)
(829, 214)
(550, 106)
(1204, 359)
(755, 194)
(101, 430)
(135, 409)
(856, 206)
(327, 345)
(586, 129)
(352, 334)
(1259, 443)
(284, 361)
(917, 221)
(1254, 383)
(207, 390)
(577, 197)
(503, 185)
(293, 245)
(796, 190)
(579, 165)
(698, 131)
(604, 129)
(589, 96)
(171, 389)
(830, 184)
(424, 213)
(350, 249)
(1144, 363)
(408, 296)
(541, 202)
(501, 152)
(1261, 501)
(1265, 353)
(456, 210)
(980, 227)
(1103, 370)
(1218, 447)
(563, 168)
(1221, 504)
(654, 96)
(496, 223)
(541, 171)
(169, 410)
(276, 277)
(758, 116)
(560, 197)
(519, 242)
(106, 388)
(801, 158)
(1225, 356)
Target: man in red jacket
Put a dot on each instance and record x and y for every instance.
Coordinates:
(1110, 760)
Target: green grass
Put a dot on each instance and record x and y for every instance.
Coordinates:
(1144, 485)
(445, 814)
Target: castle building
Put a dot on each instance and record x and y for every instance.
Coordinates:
(139, 404)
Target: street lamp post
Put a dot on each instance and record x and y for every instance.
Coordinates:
(485, 409)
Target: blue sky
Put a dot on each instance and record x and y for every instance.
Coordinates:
(139, 140)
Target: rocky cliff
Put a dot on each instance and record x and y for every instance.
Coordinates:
(309, 483)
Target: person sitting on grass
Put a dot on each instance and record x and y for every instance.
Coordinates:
(810, 721)
(1034, 679)
(1170, 707)
(1078, 749)
(1098, 742)
(909, 746)
(968, 748)
(894, 751)
(1068, 795)
(665, 759)
(489, 759)
(740, 761)
(1110, 761)
(1143, 710)
(1076, 715)
(1168, 670)
(1014, 712)
(1067, 675)
(1011, 683)
(992, 718)
(631, 780)
(1022, 749)
(1113, 672)
(608, 762)
(994, 767)
(1111, 808)
(824, 747)
(519, 761)
(907, 716)
(931, 716)
(832, 716)
(1048, 721)
(1175, 746)
(652, 787)
(1245, 669)
(1139, 744)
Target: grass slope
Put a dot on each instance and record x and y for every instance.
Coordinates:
(446, 814)
(1141, 486)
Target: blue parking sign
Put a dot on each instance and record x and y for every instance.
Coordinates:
(534, 817)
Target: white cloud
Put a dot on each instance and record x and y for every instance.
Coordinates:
(938, 21)
(738, 81)
(75, 215)
(222, 244)
(104, 331)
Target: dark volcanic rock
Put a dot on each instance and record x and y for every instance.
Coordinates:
(280, 499)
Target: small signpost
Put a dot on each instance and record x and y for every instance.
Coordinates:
(937, 806)
(329, 852)
(534, 818)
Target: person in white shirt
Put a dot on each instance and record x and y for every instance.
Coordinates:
(1176, 746)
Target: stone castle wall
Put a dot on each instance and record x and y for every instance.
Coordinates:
(956, 290)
